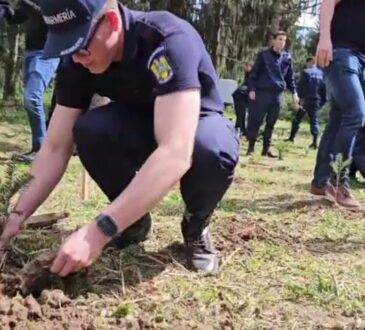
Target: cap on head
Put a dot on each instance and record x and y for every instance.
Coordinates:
(69, 23)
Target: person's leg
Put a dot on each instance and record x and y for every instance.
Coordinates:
(350, 97)
(244, 115)
(271, 119)
(112, 144)
(237, 109)
(322, 170)
(313, 114)
(299, 115)
(39, 74)
(26, 64)
(343, 81)
(358, 157)
(256, 113)
(215, 156)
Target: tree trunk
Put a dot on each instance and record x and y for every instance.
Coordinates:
(11, 73)
(276, 18)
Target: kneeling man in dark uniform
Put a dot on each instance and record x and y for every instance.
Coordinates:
(165, 124)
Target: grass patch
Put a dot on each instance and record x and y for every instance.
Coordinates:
(305, 269)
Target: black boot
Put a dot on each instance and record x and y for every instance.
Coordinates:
(314, 144)
(267, 152)
(200, 253)
(352, 171)
(292, 135)
(137, 233)
(251, 147)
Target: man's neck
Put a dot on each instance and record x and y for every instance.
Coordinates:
(276, 50)
(119, 47)
(121, 41)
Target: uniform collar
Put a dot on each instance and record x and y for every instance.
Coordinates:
(276, 53)
(130, 35)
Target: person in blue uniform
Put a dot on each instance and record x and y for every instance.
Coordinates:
(312, 95)
(272, 73)
(164, 125)
(341, 51)
(37, 71)
(240, 98)
(358, 156)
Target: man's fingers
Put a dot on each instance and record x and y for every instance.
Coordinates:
(3, 244)
(320, 58)
(5, 239)
(328, 58)
(59, 262)
(69, 267)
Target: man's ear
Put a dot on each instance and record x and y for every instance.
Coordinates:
(113, 19)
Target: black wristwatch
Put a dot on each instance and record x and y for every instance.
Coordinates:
(107, 225)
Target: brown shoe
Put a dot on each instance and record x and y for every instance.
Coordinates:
(328, 191)
(345, 199)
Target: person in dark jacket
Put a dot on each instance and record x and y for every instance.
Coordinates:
(240, 98)
(272, 73)
(312, 95)
(37, 71)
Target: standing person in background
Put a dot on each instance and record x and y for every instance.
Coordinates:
(240, 98)
(272, 73)
(341, 51)
(312, 94)
(358, 157)
(37, 71)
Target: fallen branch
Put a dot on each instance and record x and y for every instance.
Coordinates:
(45, 220)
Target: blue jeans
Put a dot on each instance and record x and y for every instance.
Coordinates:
(267, 104)
(346, 115)
(37, 74)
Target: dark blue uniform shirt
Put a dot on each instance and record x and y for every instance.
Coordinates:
(272, 71)
(162, 54)
(311, 87)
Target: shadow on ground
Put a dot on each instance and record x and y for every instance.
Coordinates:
(278, 204)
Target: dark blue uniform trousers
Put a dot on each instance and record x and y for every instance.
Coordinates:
(312, 109)
(267, 104)
(113, 143)
(240, 107)
(358, 156)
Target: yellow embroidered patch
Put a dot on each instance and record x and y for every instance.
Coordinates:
(161, 69)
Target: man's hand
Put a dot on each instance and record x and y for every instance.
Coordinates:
(80, 250)
(252, 95)
(296, 102)
(295, 98)
(11, 229)
(324, 54)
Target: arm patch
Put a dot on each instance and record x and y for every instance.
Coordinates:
(159, 65)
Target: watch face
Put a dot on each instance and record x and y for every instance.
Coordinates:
(107, 225)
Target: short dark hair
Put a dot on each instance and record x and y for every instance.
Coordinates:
(310, 59)
(279, 33)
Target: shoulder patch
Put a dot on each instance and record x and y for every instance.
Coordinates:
(159, 65)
